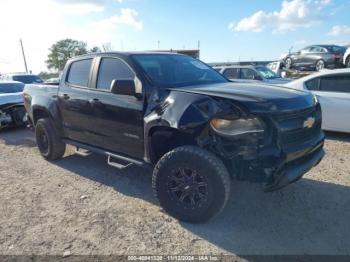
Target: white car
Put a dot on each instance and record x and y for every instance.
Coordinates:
(347, 58)
(332, 87)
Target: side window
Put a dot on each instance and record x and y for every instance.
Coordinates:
(306, 50)
(232, 73)
(247, 73)
(79, 73)
(337, 83)
(112, 69)
(313, 84)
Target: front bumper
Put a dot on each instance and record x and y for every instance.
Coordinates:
(293, 171)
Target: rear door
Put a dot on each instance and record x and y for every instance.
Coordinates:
(334, 95)
(73, 100)
(117, 120)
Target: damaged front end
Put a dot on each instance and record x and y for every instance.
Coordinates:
(12, 114)
(273, 148)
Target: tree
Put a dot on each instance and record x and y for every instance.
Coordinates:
(95, 49)
(63, 50)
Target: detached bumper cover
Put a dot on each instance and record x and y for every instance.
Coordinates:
(293, 171)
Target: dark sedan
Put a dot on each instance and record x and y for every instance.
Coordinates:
(316, 57)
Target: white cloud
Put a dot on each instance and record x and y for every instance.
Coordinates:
(127, 17)
(340, 30)
(41, 23)
(293, 14)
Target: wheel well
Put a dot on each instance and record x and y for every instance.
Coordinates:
(38, 114)
(163, 139)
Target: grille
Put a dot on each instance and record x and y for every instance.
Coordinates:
(291, 126)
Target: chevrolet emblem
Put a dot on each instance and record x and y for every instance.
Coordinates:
(309, 123)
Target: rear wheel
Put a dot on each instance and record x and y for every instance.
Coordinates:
(191, 184)
(320, 64)
(49, 143)
(347, 62)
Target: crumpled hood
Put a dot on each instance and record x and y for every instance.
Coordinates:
(13, 98)
(257, 97)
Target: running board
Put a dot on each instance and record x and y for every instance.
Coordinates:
(110, 156)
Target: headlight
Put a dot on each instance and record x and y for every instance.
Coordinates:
(237, 127)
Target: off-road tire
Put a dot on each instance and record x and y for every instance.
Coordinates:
(202, 162)
(55, 147)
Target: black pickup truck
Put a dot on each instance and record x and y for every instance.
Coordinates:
(174, 113)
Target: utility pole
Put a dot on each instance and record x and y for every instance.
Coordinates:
(24, 56)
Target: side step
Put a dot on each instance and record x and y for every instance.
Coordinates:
(113, 159)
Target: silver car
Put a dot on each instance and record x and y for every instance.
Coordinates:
(251, 74)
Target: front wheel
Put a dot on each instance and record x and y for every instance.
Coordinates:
(320, 64)
(191, 184)
(49, 143)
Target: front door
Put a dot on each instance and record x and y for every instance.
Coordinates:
(334, 96)
(117, 120)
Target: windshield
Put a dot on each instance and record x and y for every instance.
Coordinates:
(168, 70)
(266, 73)
(11, 88)
(27, 79)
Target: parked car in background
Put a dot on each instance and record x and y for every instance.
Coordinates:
(176, 114)
(251, 74)
(12, 112)
(316, 57)
(53, 81)
(346, 60)
(22, 77)
(332, 88)
(277, 68)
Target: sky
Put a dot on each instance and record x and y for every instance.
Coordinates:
(228, 30)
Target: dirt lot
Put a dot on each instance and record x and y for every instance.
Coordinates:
(79, 205)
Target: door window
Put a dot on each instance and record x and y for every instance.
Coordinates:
(337, 83)
(247, 73)
(232, 73)
(113, 69)
(79, 73)
(313, 85)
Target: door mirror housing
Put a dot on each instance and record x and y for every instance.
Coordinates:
(123, 87)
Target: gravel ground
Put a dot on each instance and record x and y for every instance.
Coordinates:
(80, 205)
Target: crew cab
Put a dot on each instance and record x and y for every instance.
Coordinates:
(178, 115)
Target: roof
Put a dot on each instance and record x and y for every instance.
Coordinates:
(125, 54)
(10, 82)
(321, 73)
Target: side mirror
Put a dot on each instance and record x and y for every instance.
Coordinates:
(257, 77)
(123, 87)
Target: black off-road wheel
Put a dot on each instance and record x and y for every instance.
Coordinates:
(49, 143)
(191, 184)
